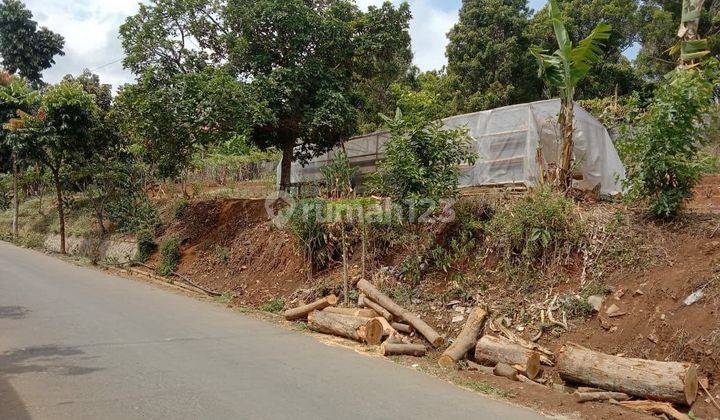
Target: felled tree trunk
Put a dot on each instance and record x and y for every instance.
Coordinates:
(466, 340)
(506, 371)
(363, 301)
(427, 331)
(417, 350)
(492, 350)
(403, 328)
(361, 312)
(600, 396)
(303, 311)
(661, 381)
(365, 330)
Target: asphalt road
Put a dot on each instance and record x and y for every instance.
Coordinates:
(78, 344)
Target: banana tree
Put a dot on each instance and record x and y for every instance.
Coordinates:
(691, 47)
(563, 70)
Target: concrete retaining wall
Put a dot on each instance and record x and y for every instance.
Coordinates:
(96, 249)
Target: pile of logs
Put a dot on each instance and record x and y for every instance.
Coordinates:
(378, 320)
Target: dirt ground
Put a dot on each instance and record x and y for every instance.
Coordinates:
(229, 246)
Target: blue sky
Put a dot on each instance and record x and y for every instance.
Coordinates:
(90, 30)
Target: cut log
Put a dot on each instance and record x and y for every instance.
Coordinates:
(661, 381)
(600, 396)
(361, 312)
(397, 339)
(525, 379)
(589, 389)
(492, 350)
(466, 340)
(388, 329)
(506, 371)
(420, 326)
(365, 330)
(488, 370)
(654, 407)
(403, 328)
(303, 311)
(417, 350)
(364, 302)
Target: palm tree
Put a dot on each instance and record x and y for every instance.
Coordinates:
(564, 69)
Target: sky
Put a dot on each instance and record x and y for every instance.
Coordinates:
(90, 28)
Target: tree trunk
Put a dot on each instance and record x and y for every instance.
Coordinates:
(365, 330)
(466, 340)
(403, 328)
(364, 313)
(16, 200)
(567, 126)
(492, 350)
(60, 208)
(417, 350)
(286, 166)
(420, 326)
(363, 301)
(662, 381)
(506, 371)
(600, 396)
(303, 311)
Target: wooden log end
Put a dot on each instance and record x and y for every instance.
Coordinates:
(332, 300)
(506, 371)
(446, 361)
(374, 332)
(533, 366)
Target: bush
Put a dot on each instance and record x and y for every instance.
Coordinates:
(338, 176)
(180, 207)
(133, 212)
(169, 257)
(146, 245)
(535, 228)
(422, 160)
(663, 147)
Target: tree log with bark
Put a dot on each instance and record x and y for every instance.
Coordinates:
(363, 301)
(466, 340)
(365, 330)
(493, 350)
(303, 311)
(361, 312)
(383, 300)
(417, 350)
(662, 381)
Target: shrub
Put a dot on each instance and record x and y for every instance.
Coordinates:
(180, 207)
(306, 224)
(169, 257)
(422, 160)
(145, 245)
(534, 228)
(663, 146)
(338, 176)
(273, 306)
(133, 212)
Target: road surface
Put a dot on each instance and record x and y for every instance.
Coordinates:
(79, 344)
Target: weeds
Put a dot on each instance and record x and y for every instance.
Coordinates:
(169, 257)
(225, 298)
(274, 306)
(180, 208)
(146, 245)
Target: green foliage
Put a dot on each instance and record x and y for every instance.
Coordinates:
(306, 224)
(180, 208)
(488, 58)
(226, 298)
(529, 232)
(422, 160)
(338, 176)
(663, 144)
(425, 98)
(274, 306)
(23, 47)
(146, 245)
(169, 257)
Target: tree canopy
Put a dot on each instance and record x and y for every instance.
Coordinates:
(24, 48)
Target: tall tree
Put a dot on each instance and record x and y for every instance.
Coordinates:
(24, 48)
(60, 134)
(488, 55)
(301, 61)
(15, 95)
(614, 73)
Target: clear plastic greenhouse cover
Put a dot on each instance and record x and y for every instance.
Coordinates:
(506, 140)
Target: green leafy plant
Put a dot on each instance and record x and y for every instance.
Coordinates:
(180, 208)
(338, 176)
(533, 229)
(663, 145)
(146, 245)
(274, 306)
(169, 257)
(563, 70)
(422, 160)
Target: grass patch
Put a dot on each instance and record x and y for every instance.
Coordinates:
(274, 306)
(225, 298)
